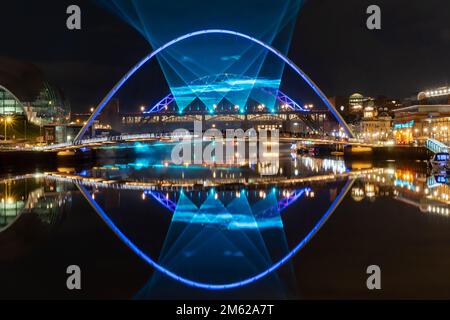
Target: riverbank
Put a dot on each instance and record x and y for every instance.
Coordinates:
(387, 153)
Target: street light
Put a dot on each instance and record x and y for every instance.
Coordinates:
(7, 120)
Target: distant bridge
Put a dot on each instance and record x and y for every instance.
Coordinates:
(285, 109)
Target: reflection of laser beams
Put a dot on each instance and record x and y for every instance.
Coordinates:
(290, 199)
(163, 200)
(282, 203)
(260, 219)
(210, 286)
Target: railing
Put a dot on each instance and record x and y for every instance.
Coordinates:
(436, 146)
(101, 140)
(149, 136)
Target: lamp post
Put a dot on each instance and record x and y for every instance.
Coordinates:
(6, 121)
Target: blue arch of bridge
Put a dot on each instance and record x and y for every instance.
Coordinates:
(289, 62)
(211, 286)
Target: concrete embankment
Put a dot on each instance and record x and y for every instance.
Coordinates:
(387, 153)
(26, 158)
(17, 160)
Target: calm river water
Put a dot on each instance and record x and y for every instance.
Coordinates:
(298, 228)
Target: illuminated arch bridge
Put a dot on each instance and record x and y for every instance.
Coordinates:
(283, 109)
(278, 54)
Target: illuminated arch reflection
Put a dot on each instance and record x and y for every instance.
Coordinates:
(211, 211)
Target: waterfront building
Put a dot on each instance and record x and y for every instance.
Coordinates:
(357, 102)
(416, 123)
(435, 96)
(25, 93)
(60, 133)
(375, 125)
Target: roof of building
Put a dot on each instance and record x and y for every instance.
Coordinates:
(425, 108)
(23, 79)
(356, 95)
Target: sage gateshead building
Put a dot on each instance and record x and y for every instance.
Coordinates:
(25, 93)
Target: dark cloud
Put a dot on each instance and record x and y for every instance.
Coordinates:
(409, 54)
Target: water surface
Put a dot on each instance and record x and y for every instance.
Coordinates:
(299, 228)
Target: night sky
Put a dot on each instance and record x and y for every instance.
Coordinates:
(331, 43)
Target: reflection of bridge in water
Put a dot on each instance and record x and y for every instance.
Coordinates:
(236, 205)
(185, 211)
(212, 210)
(201, 184)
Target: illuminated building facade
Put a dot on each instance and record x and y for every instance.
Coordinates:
(9, 105)
(435, 96)
(417, 123)
(376, 125)
(357, 102)
(24, 93)
(416, 189)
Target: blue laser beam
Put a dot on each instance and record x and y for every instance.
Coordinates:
(289, 62)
